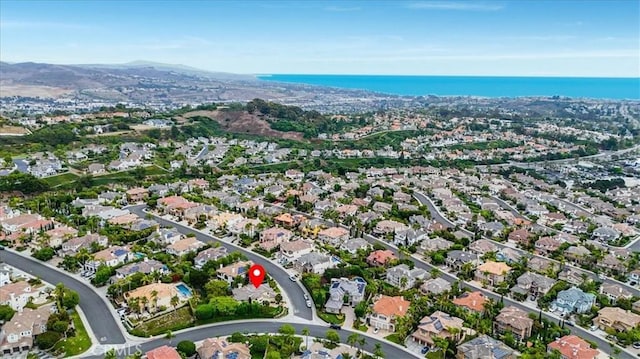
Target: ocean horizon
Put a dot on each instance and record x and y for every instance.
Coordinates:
(614, 88)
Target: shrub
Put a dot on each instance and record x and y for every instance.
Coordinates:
(186, 347)
(47, 340)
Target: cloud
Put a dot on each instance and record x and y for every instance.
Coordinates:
(455, 6)
(33, 25)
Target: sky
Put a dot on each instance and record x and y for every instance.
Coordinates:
(458, 37)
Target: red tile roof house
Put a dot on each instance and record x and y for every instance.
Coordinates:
(573, 347)
(380, 257)
(163, 352)
(272, 238)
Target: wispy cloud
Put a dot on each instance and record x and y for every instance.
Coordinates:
(455, 5)
(342, 8)
(34, 25)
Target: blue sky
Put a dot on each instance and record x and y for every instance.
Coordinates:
(522, 38)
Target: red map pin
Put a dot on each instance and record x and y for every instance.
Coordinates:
(256, 275)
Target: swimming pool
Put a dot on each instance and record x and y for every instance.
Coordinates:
(184, 290)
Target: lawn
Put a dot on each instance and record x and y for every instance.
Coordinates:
(274, 312)
(79, 343)
(331, 318)
(173, 321)
(394, 338)
(435, 355)
(61, 179)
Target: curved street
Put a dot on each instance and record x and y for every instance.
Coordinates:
(294, 290)
(101, 316)
(254, 326)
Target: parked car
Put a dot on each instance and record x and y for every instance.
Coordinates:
(335, 326)
(424, 350)
(293, 278)
(306, 296)
(636, 345)
(593, 328)
(376, 330)
(570, 323)
(308, 304)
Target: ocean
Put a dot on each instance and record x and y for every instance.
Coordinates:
(577, 87)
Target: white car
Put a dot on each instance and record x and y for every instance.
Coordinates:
(308, 304)
(376, 330)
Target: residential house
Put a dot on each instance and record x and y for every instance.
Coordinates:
(457, 258)
(184, 246)
(58, 235)
(473, 301)
(578, 254)
(509, 255)
(482, 247)
(514, 320)
(520, 236)
(353, 245)
(533, 284)
(345, 291)
(617, 319)
(218, 348)
(287, 220)
(573, 300)
(484, 347)
(17, 295)
(147, 266)
(233, 271)
(334, 236)
(552, 218)
(388, 226)
(435, 286)
(165, 236)
(573, 275)
(404, 278)
(261, 294)
(573, 347)
(605, 234)
(434, 244)
(290, 251)
(112, 256)
(18, 334)
(209, 254)
(386, 310)
(612, 263)
(410, 237)
(272, 238)
(314, 262)
(137, 194)
(438, 325)
(614, 291)
(546, 245)
(163, 352)
(380, 258)
(157, 295)
(74, 245)
(493, 273)
(5, 275)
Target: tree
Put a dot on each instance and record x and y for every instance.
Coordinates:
(174, 303)
(70, 299)
(6, 312)
(352, 339)
(273, 355)
(278, 298)
(103, 274)
(110, 354)
(333, 337)
(169, 336)
(48, 339)
(216, 288)
(44, 254)
(187, 347)
(287, 329)
(377, 351)
(305, 332)
(360, 310)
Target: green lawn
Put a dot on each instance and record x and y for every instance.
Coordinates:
(331, 318)
(173, 321)
(60, 179)
(394, 338)
(435, 355)
(79, 343)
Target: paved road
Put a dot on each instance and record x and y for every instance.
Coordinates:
(420, 263)
(294, 289)
(194, 335)
(100, 315)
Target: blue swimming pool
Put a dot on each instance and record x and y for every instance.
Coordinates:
(184, 290)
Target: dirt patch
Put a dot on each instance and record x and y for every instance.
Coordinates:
(244, 122)
(7, 90)
(117, 133)
(13, 131)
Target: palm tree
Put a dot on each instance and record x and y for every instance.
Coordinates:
(169, 335)
(174, 303)
(352, 339)
(305, 332)
(144, 301)
(434, 272)
(154, 298)
(377, 351)
(110, 354)
(403, 282)
(59, 294)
